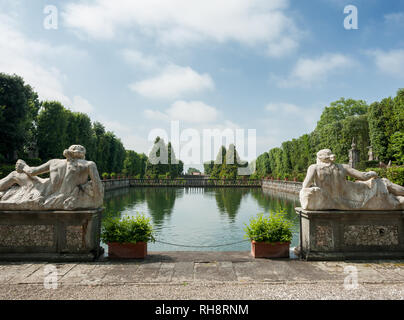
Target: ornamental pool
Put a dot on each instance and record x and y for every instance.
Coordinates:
(200, 216)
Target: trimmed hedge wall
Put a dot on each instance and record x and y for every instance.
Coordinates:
(394, 174)
(5, 169)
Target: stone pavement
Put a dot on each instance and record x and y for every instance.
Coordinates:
(202, 267)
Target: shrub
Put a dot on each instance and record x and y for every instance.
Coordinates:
(5, 169)
(127, 230)
(372, 163)
(105, 175)
(274, 228)
(33, 162)
(300, 176)
(113, 175)
(394, 174)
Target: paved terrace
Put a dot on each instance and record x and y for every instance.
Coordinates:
(203, 275)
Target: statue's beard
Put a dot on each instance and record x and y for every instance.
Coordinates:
(324, 163)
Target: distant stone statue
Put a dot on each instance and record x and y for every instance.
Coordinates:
(326, 188)
(371, 154)
(67, 188)
(353, 155)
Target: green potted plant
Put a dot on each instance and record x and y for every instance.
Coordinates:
(270, 236)
(105, 175)
(127, 237)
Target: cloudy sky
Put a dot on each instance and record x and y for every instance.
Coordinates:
(269, 65)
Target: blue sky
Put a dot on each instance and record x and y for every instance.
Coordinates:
(257, 64)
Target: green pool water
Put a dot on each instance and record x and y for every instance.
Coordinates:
(200, 217)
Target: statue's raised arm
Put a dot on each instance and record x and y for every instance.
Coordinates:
(363, 176)
(326, 188)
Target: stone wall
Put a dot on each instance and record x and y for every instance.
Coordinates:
(50, 235)
(282, 186)
(339, 235)
(113, 184)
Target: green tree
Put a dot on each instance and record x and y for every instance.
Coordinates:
(396, 147)
(208, 167)
(378, 117)
(263, 166)
(218, 163)
(19, 107)
(134, 164)
(340, 110)
(193, 170)
(162, 161)
(52, 130)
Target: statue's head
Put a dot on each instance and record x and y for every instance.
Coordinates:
(325, 156)
(75, 151)
(19, 165)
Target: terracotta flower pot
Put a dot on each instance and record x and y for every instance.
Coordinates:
(270, 250)
(127, 250)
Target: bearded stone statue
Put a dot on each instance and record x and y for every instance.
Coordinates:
(326, 188)
(74, 183)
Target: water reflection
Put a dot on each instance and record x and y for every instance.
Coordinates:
(161, 202)
(117, 201)
(228, 200)
(270, 201)
(200, 216)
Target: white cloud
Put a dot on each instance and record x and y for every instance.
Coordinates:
(138, 59)
(173, 82)
(192, 111)
(394, 18)
(282, 107)
(389, 62)
(282, 47)
(137, 143)
(311, 71)
(31, 60)
(21, 56)
(253, 22)
(80, 104)
(187, 111)
(283, 112)
(156, 115)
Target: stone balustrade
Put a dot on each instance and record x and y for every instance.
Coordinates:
(112, 184)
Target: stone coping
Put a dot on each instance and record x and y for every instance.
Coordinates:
(347, 212)
(54, 211)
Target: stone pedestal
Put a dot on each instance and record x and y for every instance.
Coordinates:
(345, 235)
(50, 235)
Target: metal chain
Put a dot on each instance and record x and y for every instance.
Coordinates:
(212, 246)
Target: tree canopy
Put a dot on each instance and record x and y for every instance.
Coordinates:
(32, 128)
(380, 125)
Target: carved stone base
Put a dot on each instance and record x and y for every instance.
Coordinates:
(344, 235)
(50, 235)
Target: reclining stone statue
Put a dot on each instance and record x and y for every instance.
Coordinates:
(67, 188)
(326, 188)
